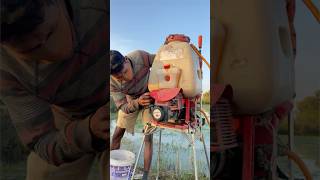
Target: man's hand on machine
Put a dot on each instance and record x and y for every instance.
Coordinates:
(99, 124)
(145, 99)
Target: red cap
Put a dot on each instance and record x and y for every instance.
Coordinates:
(200, 41)
(177, 37)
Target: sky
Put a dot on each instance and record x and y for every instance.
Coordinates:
(307, 65)
(144, 25)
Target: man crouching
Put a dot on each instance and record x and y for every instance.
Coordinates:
(129, 90)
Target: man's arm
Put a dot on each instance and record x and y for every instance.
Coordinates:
(34, 122)
(121, 101)
(130, 106)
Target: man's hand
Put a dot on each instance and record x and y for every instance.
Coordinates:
(145, 99)
(99, 124)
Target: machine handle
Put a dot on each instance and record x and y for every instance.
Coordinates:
(200, 41)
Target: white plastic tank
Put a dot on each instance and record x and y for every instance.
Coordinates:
(257, 57)
(168, 77)
(183, 70)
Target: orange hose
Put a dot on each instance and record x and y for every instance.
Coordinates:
(205, 116)
(315, 12)
(293, 156)
(198, 53)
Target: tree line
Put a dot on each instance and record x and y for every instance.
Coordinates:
(306, 115)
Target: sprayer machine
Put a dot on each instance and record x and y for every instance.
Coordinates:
(253, 48)
(175, 84)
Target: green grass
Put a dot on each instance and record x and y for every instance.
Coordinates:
(307, 147)
(171, 175)
(18, 172)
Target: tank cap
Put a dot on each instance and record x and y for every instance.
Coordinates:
(167, 77)
(166, 66)
(177, 37)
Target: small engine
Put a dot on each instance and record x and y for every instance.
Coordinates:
(172, 107)
(172, 111)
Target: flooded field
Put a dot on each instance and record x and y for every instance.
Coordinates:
(307, 147)
(176, 152)
(176, 156)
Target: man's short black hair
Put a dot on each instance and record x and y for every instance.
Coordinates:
(116, 61)
(19, 17)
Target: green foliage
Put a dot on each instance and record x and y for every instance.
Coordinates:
(307, 116)
(307, 119)
(206, 97)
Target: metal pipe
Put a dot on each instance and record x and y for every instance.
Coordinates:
(290, 142)
(159, 150)
(194, 157)
(205, 151)
(137, 160)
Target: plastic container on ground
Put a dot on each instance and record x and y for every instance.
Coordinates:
(121, 164)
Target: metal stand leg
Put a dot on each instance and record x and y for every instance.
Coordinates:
(205, 151)
(194, 157)
(159, 150)
(290, 142)
(137, 160)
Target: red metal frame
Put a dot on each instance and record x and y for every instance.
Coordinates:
(187, 111)
(250, 134)
(170, 126)
(248, 147)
